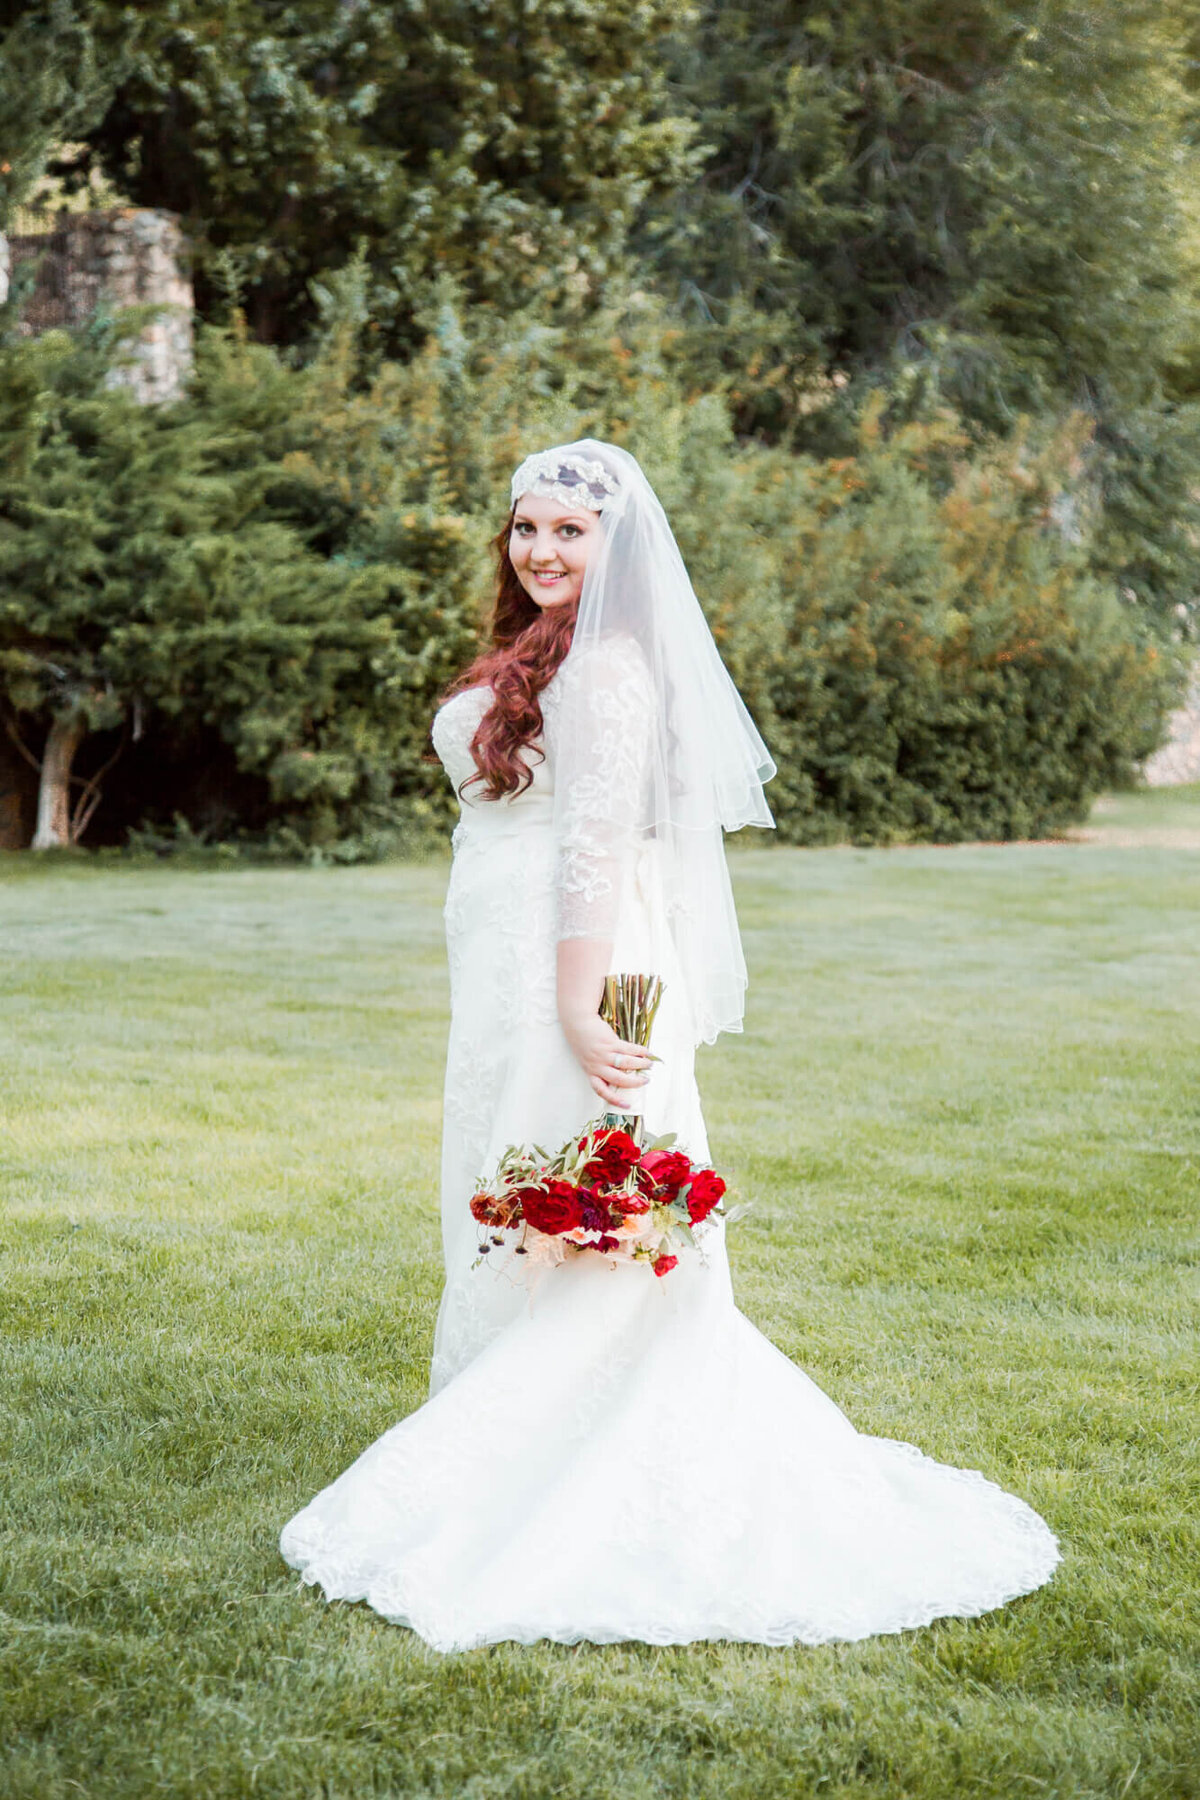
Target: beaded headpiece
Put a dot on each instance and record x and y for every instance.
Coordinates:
(567, 477)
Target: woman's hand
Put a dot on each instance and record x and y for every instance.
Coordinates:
(617, 1070)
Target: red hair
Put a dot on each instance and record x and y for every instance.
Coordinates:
(528, 642)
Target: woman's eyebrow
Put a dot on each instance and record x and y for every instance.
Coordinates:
(562, 519)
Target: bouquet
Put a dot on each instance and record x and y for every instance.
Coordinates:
(613, 1190)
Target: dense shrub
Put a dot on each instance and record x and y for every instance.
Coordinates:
(162, 585)
(939, 663)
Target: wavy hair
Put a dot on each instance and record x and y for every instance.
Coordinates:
(527, 644)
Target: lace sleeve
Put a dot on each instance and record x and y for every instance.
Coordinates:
(601, 780)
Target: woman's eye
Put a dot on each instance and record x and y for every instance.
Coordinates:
(573, 529)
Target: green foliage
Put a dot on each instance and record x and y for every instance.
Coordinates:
(90, 492)
(997, 191)
(985, 209)
(149, 576)
(506, 144)
(938, 663)
(959, 207)
(59, 67)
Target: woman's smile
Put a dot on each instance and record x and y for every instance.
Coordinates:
(542, 526)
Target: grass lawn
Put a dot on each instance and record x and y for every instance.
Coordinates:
(966, 1110)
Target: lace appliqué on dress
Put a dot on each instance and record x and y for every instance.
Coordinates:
(604, 700)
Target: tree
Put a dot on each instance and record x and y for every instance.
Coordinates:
(877, 173)
(153, 580)
(961, 206)
(59, 67)
(505, 143)
(283, 570)
(67, 450)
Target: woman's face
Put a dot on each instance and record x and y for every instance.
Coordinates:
(549, 547)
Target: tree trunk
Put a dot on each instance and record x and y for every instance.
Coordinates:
(67, 732)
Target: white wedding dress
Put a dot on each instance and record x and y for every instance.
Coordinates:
(607, 1454)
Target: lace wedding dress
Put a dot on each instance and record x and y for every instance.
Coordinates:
(609, 1455)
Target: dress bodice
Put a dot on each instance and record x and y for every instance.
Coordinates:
(596, 711)
(455, 724)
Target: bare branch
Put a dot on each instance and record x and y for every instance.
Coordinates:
(30, 758)
(90, 798)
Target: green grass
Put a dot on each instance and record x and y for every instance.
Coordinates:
(966, 1110)
(1168, 817)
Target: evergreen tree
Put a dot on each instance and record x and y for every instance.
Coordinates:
(964, 205)
(152, 581)
(505, 143)
(70, 456)
(59, 67)
(905, 176)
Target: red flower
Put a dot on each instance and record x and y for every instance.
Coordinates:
(703, 1194)
(629, 1203)
(594, 1213)
(554, 1209)
(482, 1209)
(612, 1158)
(664, 1264)
(669, 1169)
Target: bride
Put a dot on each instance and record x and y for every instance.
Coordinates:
(607, 1455)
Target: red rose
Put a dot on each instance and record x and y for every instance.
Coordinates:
(629, 1203)
(664, 1264)
(554, 1209)
(669, 1169)
(703, 1194)
(612, 1158)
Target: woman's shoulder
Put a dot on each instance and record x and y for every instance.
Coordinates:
(614, 660)
(473, 696)
(468, 704)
